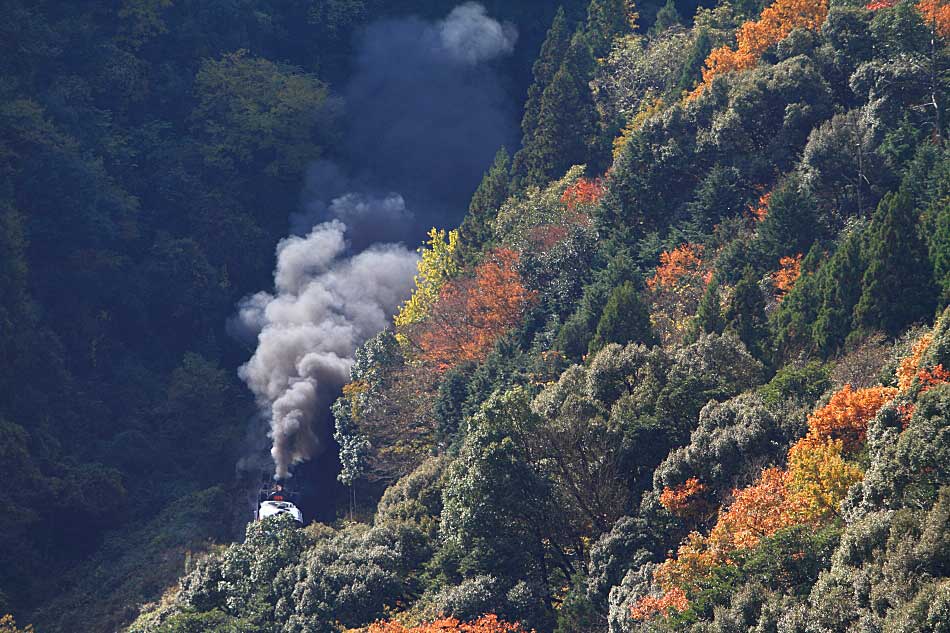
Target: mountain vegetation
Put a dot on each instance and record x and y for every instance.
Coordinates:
(682, 366)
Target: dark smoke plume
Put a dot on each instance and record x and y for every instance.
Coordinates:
(425, 113)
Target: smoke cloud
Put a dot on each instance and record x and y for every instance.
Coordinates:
(425, 114)
(470, 36)
(325, 304)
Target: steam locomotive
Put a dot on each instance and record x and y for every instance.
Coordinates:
(275, 498)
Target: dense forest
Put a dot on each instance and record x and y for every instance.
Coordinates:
(680, 366)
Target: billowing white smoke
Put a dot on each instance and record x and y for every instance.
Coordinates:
(324, 306)
(468, 34)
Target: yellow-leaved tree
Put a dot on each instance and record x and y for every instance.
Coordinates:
(436, 266)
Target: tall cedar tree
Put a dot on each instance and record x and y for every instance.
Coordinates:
(789, 226)
(667, 17)
(940, 250)
(794, 319)
(625, 319)
(606, 20)
(839, 289)
(475, 231)
(898, 287)
(693, 67)
(566, 120)
(545, 67)
(745, 314)
(709, 314)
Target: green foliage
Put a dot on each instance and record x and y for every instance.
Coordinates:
(497, 509)
(728, 447)
(695, 59)
(548, 62)
(253, 113)
(790, 227)
(805, 384)
(625, 320)
(667, 17)
(895, 252)
(709, 319)
(838, 284)
(606, 20)
(145, 149)
(745, 315)
(475, 232)
(565, 121)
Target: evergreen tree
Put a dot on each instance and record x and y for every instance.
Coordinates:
(566, 121)
(695, 60)
(545, 66)
(790, 226)
(625, 320)
(709, 313)
(940, 250)
(745, 314)
(794, 320)
(606, 19)
(839, 288)
(897, 288)
(476, 230)
(667, 17)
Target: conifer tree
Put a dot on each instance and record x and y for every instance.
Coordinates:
(667, 17)
(545, 66)
(606, 19)
(790, 225)
(692, 71)
(625, 320)
(897, 288)
(745, 314)
(839, 289)
(476, 230)
(794, 320)
(709, 313)
(940, 250)
(566, 121)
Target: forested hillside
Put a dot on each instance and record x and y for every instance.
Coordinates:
(680, 366)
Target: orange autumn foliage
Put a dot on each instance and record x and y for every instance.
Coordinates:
(485, 624)
(910, 365)
(930, 378)
(583, 193)
(684, 500)
(761, 209)
(647, 606)
(754, 37)
(676, 289)
(788, 273)
(846, 416)
(925, 379)
(758, 511)
(936, 13)
(471, 313)
(678, 267)
(811, 490)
